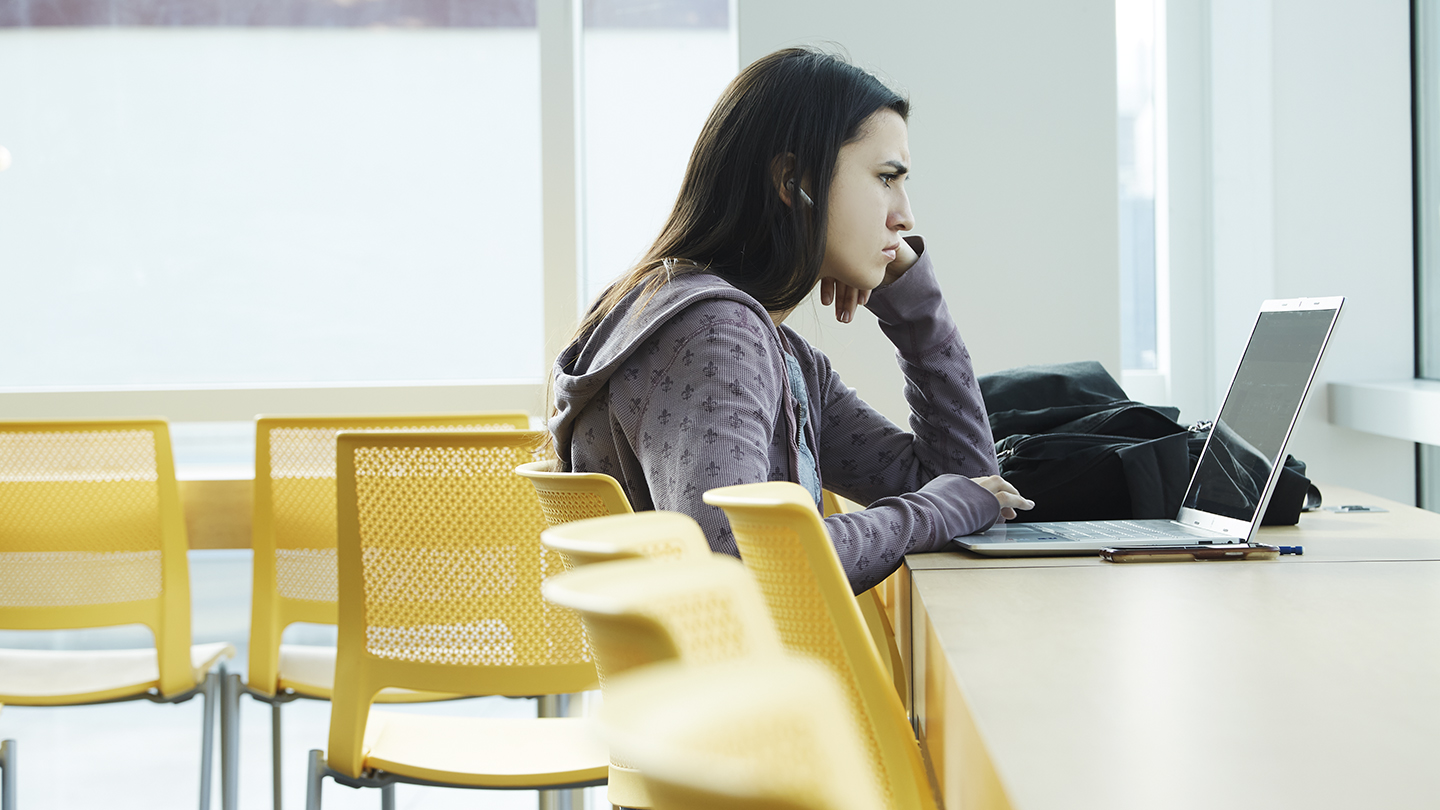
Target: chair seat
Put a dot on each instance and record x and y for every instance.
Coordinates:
(627, 788)
(486, 752)
(310, 671)
(64, 677)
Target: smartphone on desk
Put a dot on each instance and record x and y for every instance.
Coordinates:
(1189, 553)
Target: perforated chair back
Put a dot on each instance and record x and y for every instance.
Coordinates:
(783, 541)
(569, 496)
(645, 535)
(294, 520)
(440, 568)
(627, 536)
(764, 732)
(92, 535)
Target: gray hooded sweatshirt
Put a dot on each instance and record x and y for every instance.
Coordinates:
(688, 390)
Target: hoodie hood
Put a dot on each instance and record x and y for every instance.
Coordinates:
(584, 368)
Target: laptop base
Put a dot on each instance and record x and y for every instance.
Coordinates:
(1084, 537)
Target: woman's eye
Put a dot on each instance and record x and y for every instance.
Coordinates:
(886, 178)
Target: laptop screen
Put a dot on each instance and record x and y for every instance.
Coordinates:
(1259, 412)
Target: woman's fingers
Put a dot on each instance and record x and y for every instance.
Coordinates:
(996, 484)
(1009, 497)
(1014, 501)
(846, 299)
(827, 291)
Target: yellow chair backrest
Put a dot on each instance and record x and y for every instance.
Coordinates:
(765, 732)
(624, 536)
(440, 568)
(783, 541)
(647, 535)
(92, 534)
(294, 520)
(877, 607)
(637, 612)
(571, 496)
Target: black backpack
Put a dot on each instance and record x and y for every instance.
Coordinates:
(1069, 439)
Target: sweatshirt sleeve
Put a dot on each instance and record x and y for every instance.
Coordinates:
(867, 458)
(864, 455)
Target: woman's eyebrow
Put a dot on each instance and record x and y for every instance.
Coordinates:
(900, 168)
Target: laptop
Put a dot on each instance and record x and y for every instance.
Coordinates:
(1240, 464)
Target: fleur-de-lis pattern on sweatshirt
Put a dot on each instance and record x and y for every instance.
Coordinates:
(686, 390)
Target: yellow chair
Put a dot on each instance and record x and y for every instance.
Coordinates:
(639, 611)
(8, 781)
(782, 539)
(567, 497)
(876, 608)
(764, 733)
(294, 569)
(636, 535)
(92, 535)
(569, 500)
(440, 568)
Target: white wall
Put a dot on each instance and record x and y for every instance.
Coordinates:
(1012, 140)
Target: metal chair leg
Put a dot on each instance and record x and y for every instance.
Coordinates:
(313, 779)
(229, 740)
(387, 797)
(207, 742)
(275, 757)
(559, 706)
(7, 775)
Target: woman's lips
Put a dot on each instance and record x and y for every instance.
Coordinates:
(890, 252)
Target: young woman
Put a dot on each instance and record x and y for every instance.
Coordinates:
(682, 377)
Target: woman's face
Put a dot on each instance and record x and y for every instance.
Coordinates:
(868, 205)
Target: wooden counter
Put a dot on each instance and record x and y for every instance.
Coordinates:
(1069, 683)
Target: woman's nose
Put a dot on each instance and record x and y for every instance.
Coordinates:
(901, 219)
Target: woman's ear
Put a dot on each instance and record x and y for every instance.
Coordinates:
(782, 177)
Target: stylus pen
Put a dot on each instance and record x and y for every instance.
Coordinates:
(1188, 553)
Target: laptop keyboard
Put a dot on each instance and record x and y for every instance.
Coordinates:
(1114, 530)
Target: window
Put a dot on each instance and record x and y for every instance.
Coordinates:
(652, 71)
(1139, 27)
(269, 193)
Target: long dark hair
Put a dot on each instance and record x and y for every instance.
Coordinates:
(797, 106)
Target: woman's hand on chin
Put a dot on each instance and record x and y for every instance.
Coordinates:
(847, 299)
(905, 258)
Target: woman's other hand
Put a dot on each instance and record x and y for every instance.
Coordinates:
(1009, 497)
(847, 299)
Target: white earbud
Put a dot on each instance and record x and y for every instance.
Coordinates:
(806, 197)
